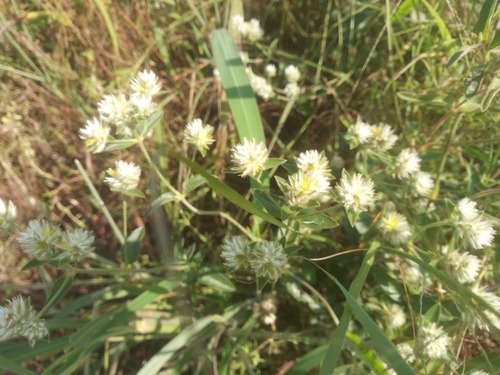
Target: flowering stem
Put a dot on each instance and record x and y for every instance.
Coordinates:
(281, 122)
(100, 203)
(125, 218)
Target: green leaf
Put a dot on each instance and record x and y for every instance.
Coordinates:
(406, 7)
(308, 362)
(425, 99)
(13, 368)
(317, 221)
(230, 194)
(268, 202)
(59, 290)
(282, 184)
(236, 84)
(130, 250)
(151, 122)
(34, 263)
(491, 92)
(134, 193)
(474, 186)
(460, 53)
(160, 201)
(193, 183)
(120, 144)
(473, 82)
(432, 315)
(445, 33)
(495, 41)
(273, 162)
(352, 216)
(484, 20)
(217, 281)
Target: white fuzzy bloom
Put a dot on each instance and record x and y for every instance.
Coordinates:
(271, 70)
(146, 83)
(265, 310)
(406, 352)
(253, 30)
(291, 90)
(238, 23)
(115, 110)
(244, 57)
(237, 252)
(95, 134)
(494, 302)
(395, 228)
(411, 273)
(421, 183)
(313, 161)
(433, 341)
(268, 259)
(359, 133)
(337, 162)
(18, 318)
(76, 244)
(40, 239)
(199, 135)
(216, 74)
(356, 192)
(8, 213)
(124, 178)
(407, 163)
(292, 74)
(383, 137)
(260, 86)
(471, 227)
(463, 266)
(303, 187)
(394, 316)
(143, 105)
(249, 157)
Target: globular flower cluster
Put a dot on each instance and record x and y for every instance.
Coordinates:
(8, 213)
(123, 113)
(355, 192)
(395, 228)
(377, 137)
(292, 75)
(124, 178)
(250, 29)
(46, 242)
(266, 258)
(433, 342)
(18, 318)
(463, 266)
(312, 181)
(249, 158)
(260, 86)
(394, 316)
(471, 226)
(199, 135)
(488, 317)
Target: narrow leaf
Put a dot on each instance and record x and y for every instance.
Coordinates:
(59, 290)
(445, 33)
(120, 144)
(483, 22)
(193, 183)
(217, 281)
(130, 250)
(317, 221)
(34, 263)
(160, 201)
(151, 122)
(13, 368)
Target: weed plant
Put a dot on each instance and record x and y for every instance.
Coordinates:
(222, 187)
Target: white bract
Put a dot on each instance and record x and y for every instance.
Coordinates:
(124, 178)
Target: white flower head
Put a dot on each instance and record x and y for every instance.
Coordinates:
(8, 213)
(394, 316)
(238, 23)
(304, 187)
(95, 134)
(253, 30)
(337, 162)
(471, 226)
(115, 110)
(395, 228)
(313, 161)
(292, 90)
(433, 341)
(249, 157)
(356, 192)
(260, 86)
(18, 318)
(463, 266)
(199, 135)
(265, 309)
(407, 163)
(268, 259)
(292, 74)
(146, 83)
(237, 252)
(143, 105)
(216, 74)
(489, 318)
(40, 239)
(359, 133)
(76, 244)
(271, 70)
(406, 352)
(383, 137)
(124, 178)
(421, 183)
